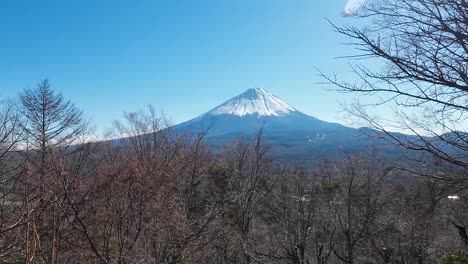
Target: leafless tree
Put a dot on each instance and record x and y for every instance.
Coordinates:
(10, 137)
(52, 126)
(422, 46)
(298, 227)
(355, 196)
(145, 197)
(11, 217)
(250, 183)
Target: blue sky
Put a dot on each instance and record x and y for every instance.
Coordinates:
(182, 56)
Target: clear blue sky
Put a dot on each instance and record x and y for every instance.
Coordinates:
(182, 56)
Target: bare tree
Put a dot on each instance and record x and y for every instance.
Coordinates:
(11, 217)
(297, 224)
(52, 125)
(145, 199)
(52, 121)
(354, 191)
(423, 47)
(10, 137)
(250, 182)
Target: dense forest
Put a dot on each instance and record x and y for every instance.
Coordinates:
(149, 194)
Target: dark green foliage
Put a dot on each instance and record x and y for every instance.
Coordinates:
(455, 258)
(331, 186)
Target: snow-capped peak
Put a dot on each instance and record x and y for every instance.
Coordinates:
(254, 101)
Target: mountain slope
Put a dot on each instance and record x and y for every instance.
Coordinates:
(251, 110)
(292, 134)
(255, 101)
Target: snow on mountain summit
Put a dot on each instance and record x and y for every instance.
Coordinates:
(254, 101)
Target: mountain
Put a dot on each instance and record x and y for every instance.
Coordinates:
(294, 136)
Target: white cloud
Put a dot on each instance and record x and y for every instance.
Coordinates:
(352, 6)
